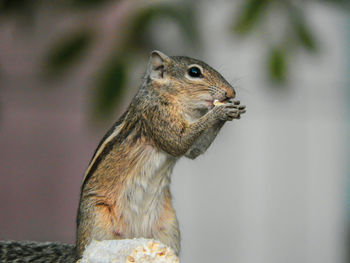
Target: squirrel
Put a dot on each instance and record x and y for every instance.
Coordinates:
(178, 111)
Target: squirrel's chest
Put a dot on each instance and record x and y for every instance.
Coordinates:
(144, 194)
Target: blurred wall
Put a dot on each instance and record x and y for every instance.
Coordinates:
(271, 188)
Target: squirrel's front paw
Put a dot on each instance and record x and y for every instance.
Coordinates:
(229, 110)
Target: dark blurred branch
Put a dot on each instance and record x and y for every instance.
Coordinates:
(15, 6)
(88, 3)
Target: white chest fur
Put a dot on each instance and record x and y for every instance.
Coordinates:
(144, 192)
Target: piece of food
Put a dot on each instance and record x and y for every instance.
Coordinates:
(152, 252)
(218, 103)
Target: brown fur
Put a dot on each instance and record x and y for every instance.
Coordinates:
(125, 193)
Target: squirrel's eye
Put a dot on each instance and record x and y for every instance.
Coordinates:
(195, 72)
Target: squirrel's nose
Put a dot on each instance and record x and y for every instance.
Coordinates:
(230, 93)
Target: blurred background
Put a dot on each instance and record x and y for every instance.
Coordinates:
(274, 186)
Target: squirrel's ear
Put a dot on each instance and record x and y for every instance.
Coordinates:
(156, 64)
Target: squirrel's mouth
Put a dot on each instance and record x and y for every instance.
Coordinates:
(215, 102)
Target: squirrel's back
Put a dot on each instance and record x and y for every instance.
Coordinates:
(29, 251)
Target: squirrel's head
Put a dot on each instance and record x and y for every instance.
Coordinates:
(189, 81)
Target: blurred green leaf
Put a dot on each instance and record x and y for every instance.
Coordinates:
(277, 64)
(182, 15)
(302, 32)
(65, 52)
(250, 14)
(110, 86)
(305, 36)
